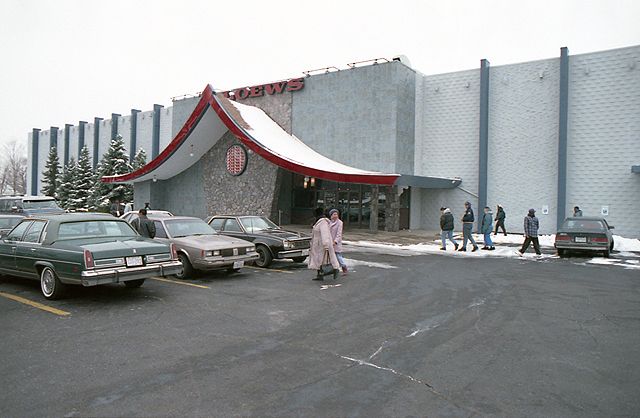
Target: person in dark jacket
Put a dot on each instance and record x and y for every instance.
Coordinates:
(531, 226)
(577, 211)
(486, 227)
(116, 208)
(446, 226)
(467, 228)
(144, 225)
(500, 216)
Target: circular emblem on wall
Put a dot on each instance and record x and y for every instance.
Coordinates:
(236, 160)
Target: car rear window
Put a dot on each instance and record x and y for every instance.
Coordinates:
(95, 229)
(579, 224)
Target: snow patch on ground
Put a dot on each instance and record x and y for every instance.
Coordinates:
(351, 263)
(625, 244)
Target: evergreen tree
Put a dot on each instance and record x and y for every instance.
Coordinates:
(84, 182)
(51, 174)
(65, 184)
(140, 159)
(114, 162)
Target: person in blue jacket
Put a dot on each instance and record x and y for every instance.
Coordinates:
(486, 227)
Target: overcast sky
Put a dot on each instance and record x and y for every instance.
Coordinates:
(70, 60)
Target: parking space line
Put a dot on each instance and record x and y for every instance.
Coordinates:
(264, 269)
(182, 283)
(35, 304)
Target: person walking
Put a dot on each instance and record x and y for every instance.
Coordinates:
(321, 250)
(577, 211)
(446, 228)
(531, 226)
(336, 226)
(500, 216)
(467, 228)
(144, 225)
(486, 227)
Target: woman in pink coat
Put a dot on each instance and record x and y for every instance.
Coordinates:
(321, 244)
(336, 225)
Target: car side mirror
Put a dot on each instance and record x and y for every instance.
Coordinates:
(612, 227)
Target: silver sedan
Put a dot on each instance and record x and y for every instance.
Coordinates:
(200, 247)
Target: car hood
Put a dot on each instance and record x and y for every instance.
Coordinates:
(109, 247)
(282, 234)
(210, 242)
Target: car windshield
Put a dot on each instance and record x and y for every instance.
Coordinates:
(184, 227)
(257, 224)
(582, 224)
(40, 204)
(95, 229)
(7, 223)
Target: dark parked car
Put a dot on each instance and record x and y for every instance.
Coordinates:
(200, 247)
(584, 234)
(83, 249)
(272, 242)
(7, 222)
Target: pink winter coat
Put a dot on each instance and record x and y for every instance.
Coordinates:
(336, 234)
(321, 241)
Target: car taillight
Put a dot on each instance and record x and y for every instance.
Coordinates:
(599, 239)
(562, 237)
(174, 252)
(88, 259)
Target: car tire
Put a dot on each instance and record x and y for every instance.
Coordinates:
(187, 268)
(611, 246)
(299, 259)
(562, 253)
(606, 253)
(132, 284)
(265, 258)
(52, 288)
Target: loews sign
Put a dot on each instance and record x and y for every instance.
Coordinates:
(278, 87)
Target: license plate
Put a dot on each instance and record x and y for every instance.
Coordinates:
(581, 239)
(238, 264)
(134, 261)
(305, 252)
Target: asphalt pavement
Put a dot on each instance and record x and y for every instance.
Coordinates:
(419, 335)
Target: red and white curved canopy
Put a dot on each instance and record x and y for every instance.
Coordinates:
(214, 115)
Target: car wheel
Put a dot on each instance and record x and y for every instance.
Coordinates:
(134, 283)
(52, 288)
(264, 258)
(562, 252)
(606, 253)
(611, 246)
(187, 268)
(298, 259)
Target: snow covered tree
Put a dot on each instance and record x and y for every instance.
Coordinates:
(51, 174)
(83, 183)
(65, 184)
(114, 162)
(140, 159)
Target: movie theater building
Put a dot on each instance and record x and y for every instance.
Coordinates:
(389, 146)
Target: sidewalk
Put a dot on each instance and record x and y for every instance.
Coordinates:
(404, 237)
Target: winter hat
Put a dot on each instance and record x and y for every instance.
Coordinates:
(467, 203)
(332, 211)
(442, 208)
(532, 212)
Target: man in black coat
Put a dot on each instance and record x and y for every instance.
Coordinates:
(144, 225)
(467, 228)
(500, 215)
(446, 226)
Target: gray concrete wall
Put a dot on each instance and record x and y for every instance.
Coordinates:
(357, 109)
(446, 142)
(523, 141)
(604, 136)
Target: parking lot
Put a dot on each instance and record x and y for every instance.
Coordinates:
(422, 335)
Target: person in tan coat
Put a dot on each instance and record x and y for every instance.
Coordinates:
(321, 244)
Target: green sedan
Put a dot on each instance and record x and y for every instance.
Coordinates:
(83, 249)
